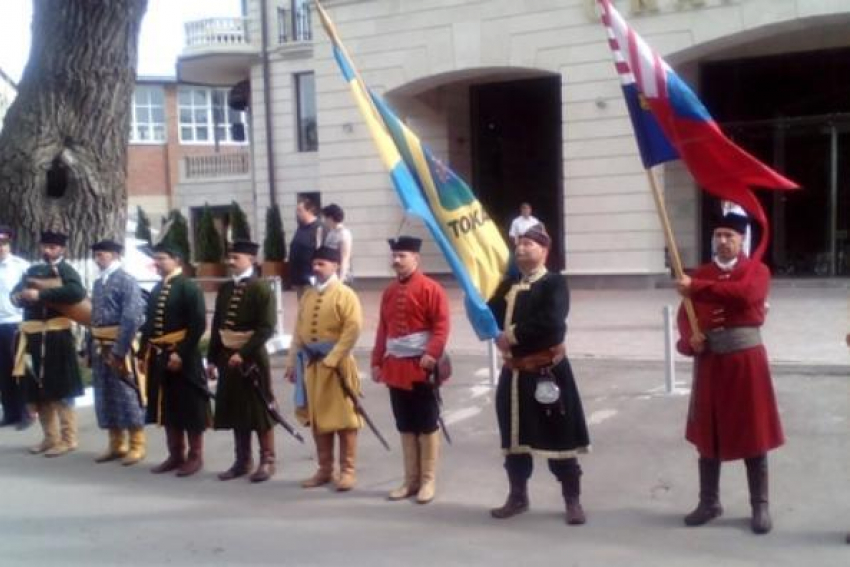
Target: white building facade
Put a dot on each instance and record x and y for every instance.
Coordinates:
(521, 98)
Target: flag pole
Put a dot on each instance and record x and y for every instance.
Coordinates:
(675, 258)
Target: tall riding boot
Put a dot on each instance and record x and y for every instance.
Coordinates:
(138, 444)
(243, 461)
(325, 457)
(176, 451)
(195, 461)
(709, 494)
(518, 474)
(47, 416)
(429, 453)
(410, 447)
(347, 457)
(757, 481)
(571, 490)
(266, 468)
(67, 430)
(117, 447)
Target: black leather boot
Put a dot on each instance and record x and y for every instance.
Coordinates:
(571, 490)
(243, 463)
(709, 494)
(761, 522)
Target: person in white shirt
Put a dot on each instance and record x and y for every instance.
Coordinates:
(522, 223)
(339, 238)
(12, 269)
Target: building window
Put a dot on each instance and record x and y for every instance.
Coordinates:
(305, 95)
(148, 115)
(293, 22)
(206, 117)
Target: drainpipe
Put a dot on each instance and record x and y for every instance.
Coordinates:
(267, 100)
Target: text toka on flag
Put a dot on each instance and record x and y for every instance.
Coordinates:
(671, 123)
(428, 189)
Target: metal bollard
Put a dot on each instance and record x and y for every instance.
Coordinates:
(493, 362)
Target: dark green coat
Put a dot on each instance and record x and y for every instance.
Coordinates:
(60, 377)
(177, 399)
(248, 306)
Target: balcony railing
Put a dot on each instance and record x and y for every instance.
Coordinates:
(216, 165)
(294, 23)
(217, 32)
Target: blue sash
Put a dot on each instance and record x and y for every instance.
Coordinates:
(306, 354)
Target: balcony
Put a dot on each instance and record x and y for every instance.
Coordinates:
(295, 29)
(215, 167)
(218, 52)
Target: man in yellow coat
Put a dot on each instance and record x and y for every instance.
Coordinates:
(320, 364)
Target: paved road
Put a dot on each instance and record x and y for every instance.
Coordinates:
(639, 481)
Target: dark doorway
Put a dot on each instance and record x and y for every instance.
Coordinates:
(516, 153)
(793, 112)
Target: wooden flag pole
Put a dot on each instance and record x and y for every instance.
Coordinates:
(675, 258)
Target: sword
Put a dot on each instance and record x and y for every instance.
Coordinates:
(271, 405)
(434, 380)
(358, 407)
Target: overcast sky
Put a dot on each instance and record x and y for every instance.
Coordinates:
(162, 32)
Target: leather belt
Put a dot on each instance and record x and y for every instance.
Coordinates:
(725, 341)
(538, 360)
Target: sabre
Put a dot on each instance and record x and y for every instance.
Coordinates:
(253, 372)
(360, 410)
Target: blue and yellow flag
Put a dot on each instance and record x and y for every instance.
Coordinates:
(428, 189)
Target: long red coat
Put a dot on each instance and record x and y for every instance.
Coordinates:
(415, 304)
(733, 413)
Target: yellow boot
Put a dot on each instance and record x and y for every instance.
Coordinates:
(410, 447)
(429, 450)
(117, 447)
(47, 419)
(325, 458)
(347, 457)
(137, 447)
(68, 430)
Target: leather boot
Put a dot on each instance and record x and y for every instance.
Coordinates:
(117, 447)
(429, 453)
(176, 451)
(195, 460)
(571, 490)
(325, 458)
(516, 503)
(709, 506)
(48, 419)
(761, 522)
(410, 448)
(266, 468)
(243, 462)
(67, 431)
(347, 457)
(138, 447)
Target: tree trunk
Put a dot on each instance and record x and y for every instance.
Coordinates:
(63, 149)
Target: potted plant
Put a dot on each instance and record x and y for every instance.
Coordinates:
(239, 227)
(175, 231)
(143, 226)
(274, 245)
(209, 251)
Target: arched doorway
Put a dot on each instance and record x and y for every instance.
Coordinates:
(500, 129)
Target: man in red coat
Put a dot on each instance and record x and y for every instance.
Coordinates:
(733, 413)
(412, 334)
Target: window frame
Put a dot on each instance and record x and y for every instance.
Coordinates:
(209, 107)
(149, 124)
(304, 145)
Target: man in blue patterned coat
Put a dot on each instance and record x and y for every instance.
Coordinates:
(118, 311)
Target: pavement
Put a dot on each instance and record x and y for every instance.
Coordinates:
(639, 480)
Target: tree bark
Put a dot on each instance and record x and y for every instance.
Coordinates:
(63, 149)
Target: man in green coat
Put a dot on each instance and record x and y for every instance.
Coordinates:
(244, 320)
(178, 397)
(54, 380)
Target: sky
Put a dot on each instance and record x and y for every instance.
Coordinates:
(161, 40)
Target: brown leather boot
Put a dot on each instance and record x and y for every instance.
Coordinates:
(429, 454)
(176, 451)
(266, 468)
(571, 490)
(67, 430)
(195, 460)
(709, 506)
(347, 457)
(516, 503)
(410, 486)
(325, 458)
(761, 522)
(138, 443)
(243, 461)
(47, 417)
(116, 449)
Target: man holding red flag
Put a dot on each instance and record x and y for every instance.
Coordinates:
(733, 413)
